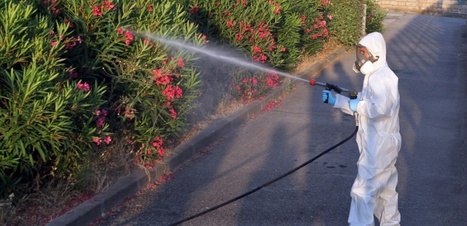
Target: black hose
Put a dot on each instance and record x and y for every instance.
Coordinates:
(268, 183)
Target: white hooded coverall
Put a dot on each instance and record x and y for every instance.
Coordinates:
(378, 140)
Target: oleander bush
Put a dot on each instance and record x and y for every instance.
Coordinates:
(75, 74)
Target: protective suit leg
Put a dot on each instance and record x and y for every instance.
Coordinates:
(363, 203)
(374, 194)
(386, 204)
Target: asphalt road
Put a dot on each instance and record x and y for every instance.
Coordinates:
(428, 53)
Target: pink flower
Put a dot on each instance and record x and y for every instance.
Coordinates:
(157, 142)
(97, 140)
(238, 37)
(230, 23)
(100, 122)
(54, 10)
(107, 139)
(272, 80)
(278, 9)
(330, 17)
(157, 73)
(161, 152)
(173, 113)
(204, 38)
(172, 92)
(48, 2)
(163, 80)
(264, 34)
(120, 30)
(102, 113)
(256, 49)
(159, 78)
(272, 47)
(108, 5)
(83, 86)
(69, 22)
(147, 42)
(181, 63)
(149, 167)
(70, 45)
(254, 81)
(73, 73)
(243, 2)
(244, 26)
(96, 11)
(150, 8)
(129, 113)
(53, 44)
(194, 9)
(226, 13)
(325, 32)
(263, 58)
(128, 37)
(323, 23)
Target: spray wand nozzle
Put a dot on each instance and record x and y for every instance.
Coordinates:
(352, 94)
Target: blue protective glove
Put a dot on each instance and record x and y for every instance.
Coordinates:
(353, 104)
(328, 97)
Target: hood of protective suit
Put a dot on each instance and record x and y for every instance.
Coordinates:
(374, 42)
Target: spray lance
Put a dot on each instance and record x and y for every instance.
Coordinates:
(352, 94)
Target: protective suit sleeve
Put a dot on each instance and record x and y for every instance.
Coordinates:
(381, 101)
(342, 102)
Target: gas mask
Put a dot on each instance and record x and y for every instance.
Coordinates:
(364, 64)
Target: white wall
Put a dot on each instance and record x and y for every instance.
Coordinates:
(452, 7)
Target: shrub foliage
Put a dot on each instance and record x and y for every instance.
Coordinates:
(45, 120)
(76, 73)
(374, 17)
(347, 26)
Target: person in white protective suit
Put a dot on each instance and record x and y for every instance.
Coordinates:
(378, 138)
